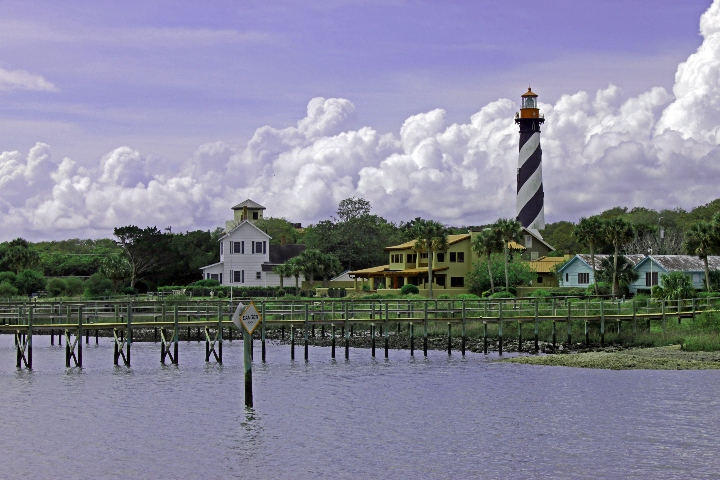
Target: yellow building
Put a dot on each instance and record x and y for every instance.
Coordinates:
(408, 266)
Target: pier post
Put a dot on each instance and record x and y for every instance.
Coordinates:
(332, 327)
(29, 338)
(307, 321)
(128, 335)
(425, 329)
(247, 361)
(537, 326)
(347, 333)
(500, 328)
(385, 331)
(262, 332)
(554, 335)
(292, 342)
(587, 334)
(569, 324)
(602, 323)
(464, 333)
(176, 333)
(519, 336)
(449, 338)
(80, 332)
(412, 339)
(372, 339)
(220, 337)
(485, 337)
(634, 313)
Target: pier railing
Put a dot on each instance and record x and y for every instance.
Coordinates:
(166, 321)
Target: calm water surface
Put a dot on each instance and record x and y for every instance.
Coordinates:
(402, 418)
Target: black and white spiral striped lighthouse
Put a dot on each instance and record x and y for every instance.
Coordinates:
(530, 195)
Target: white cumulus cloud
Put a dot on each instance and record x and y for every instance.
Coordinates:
(20, 79)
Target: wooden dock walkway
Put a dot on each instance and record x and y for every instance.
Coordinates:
(211, 320)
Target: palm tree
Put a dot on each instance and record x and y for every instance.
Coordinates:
(675, 285)
(310, 264)
(590, 232)
(431, 238)
(624, 274)
(295, 271)
(702, 240)
(485, 244)
(617, 232)
(329, 267)
(283, 270)
(508, 230)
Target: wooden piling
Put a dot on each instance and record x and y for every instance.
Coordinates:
(292, 342)
(485, 337)
(634, 314)
(464, 334)
(385, 332)
(425, 330)
(537, 326)
(602, 323)
(372, 339)
(307, 320)
(176, 334)
(262, 332)
(346, 329)
(80, 332)
(500, 328)
(412, 339)
(449, 344)
(332, 332)
(569, 324)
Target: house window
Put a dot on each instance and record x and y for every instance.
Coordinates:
(255, 215)
(540, 279)
(651, 279)
(258, 247)
(221, 247)
(441, 257)
(440, 280)
(453, 257)
(237, 247)
(237, 276)
(423, 256)
(214, 276)
(584, 278)
(534, 255)
(461, 257)
(258, 276)
(458, 282)
(412, 258)
(396, 258)
(528, 241)
(567, 277)
(697, 278)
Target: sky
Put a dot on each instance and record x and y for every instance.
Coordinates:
(168, 113)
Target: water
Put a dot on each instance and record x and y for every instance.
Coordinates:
(402, 418)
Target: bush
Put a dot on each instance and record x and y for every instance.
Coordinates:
(409, 290)
(73, 286)
(365, 287)
(467, 296)
(56, 286)
(7, 289)
(519, 274)
(444, 296)
(8, 277)
(130, 291)
(502, 295)
(98, 285)
(603, 289)
(206, 283)
(30, 281)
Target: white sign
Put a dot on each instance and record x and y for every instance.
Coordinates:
(236, 315)
(250, 318)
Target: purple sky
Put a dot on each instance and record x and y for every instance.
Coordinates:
(137, 92)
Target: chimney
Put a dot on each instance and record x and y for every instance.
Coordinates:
(282, 239)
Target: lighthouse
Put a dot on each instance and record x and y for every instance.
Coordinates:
(530, 196)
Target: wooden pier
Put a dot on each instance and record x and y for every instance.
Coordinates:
(70, 321)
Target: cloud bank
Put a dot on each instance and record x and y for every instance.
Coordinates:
(658, 150)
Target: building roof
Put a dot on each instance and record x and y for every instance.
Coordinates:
(240, 225)
(211, 265)
(536, 235)
(249, 204)
(545, 264)
(371, 270)
(684, 263)
(280, 254)
(384, 271)
(585, 258)
(451, 239)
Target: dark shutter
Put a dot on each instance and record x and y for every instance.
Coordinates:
(242, 247)
(264, 247)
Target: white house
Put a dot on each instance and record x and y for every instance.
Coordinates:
(246, 256)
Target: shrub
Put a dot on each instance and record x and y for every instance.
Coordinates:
(98, 285)
(502, 295)
(603, 289)
(30, 281)
(206, 283)
(130, 291)
(540, 294)
(7, 289)
(444, 296)
(409, 290)
(56, 286)
(467, 296)
(8, 277)
(365, 287)
(73, 286)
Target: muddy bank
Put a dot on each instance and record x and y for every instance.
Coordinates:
(657, 358)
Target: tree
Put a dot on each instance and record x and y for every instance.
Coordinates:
(295, 271)
(508, 230)
(284, 270)
(55, 286)
(146, 249)
(479, 279)
(591, 232)
(624, 274)
(701, 240)
(30, 281)
(310, 262)
(19, 255)
(73, 286)
(675, 286)
(116, 268)
(431, 238)
(7, 289)
(278, 228)
(98, 286)
(485, 244)
(617, 233)
(329, 267)
(354, 207)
